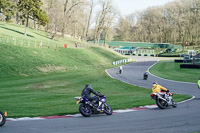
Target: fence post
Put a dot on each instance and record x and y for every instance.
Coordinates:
(29, 43)
(41, 45)
(21, 42)
(48, 44)
(14, 41)
(56, 47)
(35, 44)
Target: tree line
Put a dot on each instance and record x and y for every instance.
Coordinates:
(83, 19)
(24, 10)
(176, 22)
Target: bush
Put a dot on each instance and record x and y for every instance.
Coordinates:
(152, 55)
(160, 55)
(191, 66)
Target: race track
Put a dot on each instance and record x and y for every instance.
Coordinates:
(183, 119)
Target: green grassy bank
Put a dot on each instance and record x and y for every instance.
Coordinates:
(172, 71)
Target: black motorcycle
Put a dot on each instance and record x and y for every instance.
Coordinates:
(120, 71)
(87, 108)
(145, 76)
(2, 119)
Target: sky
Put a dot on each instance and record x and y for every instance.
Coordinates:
(127, 7)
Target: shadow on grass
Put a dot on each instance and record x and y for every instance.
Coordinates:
(15, 31)
(42, 35)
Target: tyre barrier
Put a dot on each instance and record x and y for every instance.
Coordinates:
(121, 61)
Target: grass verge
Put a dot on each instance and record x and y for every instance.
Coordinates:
(172, 71)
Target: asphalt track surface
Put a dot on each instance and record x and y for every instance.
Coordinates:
(183, 119)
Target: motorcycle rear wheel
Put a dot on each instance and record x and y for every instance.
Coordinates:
(108, 110)
(160, 103)
(2, 119)
(85, 110)
(120, 71)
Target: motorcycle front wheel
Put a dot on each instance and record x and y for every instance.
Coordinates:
(108, 109)
(174, 104)
(2, 119)
(161, 103)
(85, 110)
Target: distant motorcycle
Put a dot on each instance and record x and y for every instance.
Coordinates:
(163, 99)
(120, 71)
(145, 77)
(87, 108)
(2, 119)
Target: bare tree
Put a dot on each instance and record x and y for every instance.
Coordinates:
(176, 22)
(104, 19)
(68, 6)
(89, 18)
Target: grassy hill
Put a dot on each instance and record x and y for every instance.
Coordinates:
(14, 34)
(44, 81)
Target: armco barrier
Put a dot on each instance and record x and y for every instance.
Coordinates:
(191, 66)
(121, 61)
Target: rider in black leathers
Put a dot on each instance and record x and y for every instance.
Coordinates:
(145, 75)
(87, 91)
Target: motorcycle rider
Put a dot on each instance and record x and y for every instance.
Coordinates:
(86, 93)
(120, 69)
(158, 88)
(145, 75)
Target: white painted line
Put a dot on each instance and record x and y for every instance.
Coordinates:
(151, 106)
(25, 119)
(193, 97)
(120, 80)
(76, 115)
(123, 111)
(109, 74)
(164, 78)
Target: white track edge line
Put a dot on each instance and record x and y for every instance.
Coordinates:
(164, 78)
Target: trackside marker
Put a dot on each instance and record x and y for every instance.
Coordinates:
(5, 113)
(54, 117)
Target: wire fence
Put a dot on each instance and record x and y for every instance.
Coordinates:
(33, 43)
